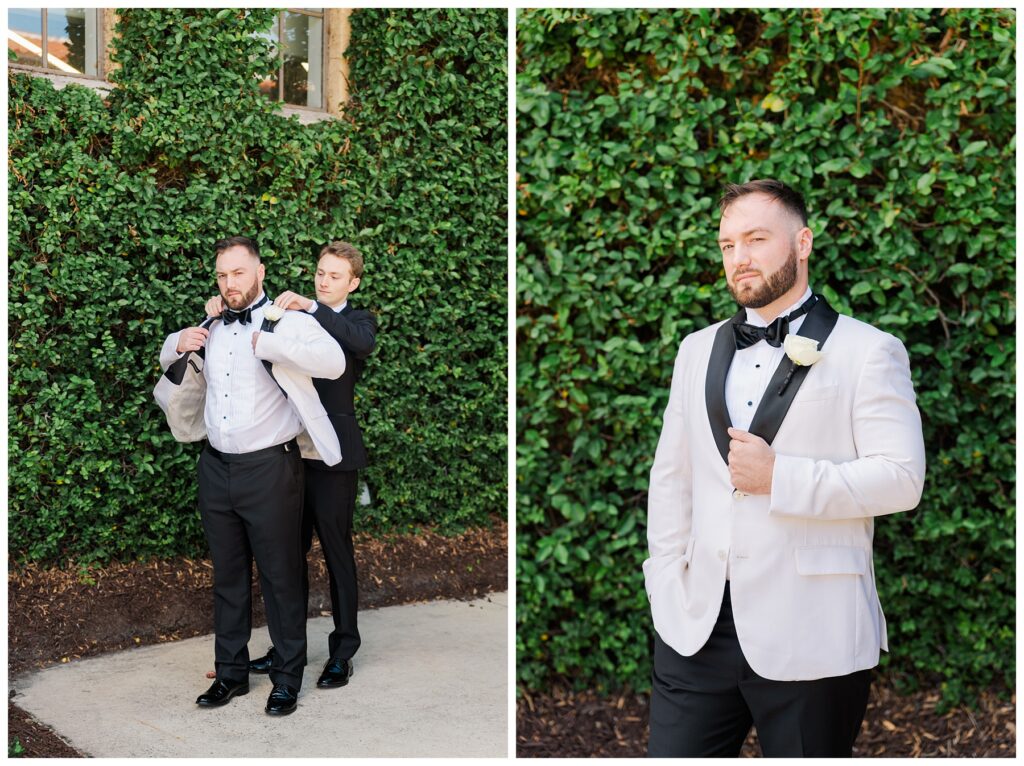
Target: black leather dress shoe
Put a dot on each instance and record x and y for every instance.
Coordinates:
(221, 692)
(282, 700)
(262, 664)
(336, 673)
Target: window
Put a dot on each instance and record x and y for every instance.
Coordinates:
(60, 40)
(309, 44)
(298, 42)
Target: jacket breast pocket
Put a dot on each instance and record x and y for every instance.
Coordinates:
(831, 560)
(817, 393)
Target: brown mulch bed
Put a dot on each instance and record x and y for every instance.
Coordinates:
(27, 738)
(59, 615)
(567, 724)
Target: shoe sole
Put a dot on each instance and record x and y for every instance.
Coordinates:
(224, 701)
(289, 711)
(332, 685)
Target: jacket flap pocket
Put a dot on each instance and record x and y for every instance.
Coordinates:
(832, 560)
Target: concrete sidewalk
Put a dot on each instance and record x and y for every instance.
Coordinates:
(430, 680)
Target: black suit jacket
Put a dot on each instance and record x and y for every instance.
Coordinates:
(356, 332)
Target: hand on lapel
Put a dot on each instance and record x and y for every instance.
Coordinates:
(751, 462)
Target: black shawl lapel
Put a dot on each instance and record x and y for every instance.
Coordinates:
(722, 352)
(773, 407)
(176, 372)
(268, 326)
(206, 325)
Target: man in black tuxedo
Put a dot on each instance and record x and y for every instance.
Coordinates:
(330, 494)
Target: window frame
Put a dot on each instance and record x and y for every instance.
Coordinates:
(324, 45)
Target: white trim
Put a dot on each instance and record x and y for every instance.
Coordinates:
(306, 115)
(103, 87)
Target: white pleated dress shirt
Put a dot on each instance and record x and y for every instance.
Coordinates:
(245, 409)
(751, 371)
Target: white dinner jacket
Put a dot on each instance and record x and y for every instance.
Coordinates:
(800, 559)
(298, 350)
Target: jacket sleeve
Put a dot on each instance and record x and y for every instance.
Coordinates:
(669, 499)
(888, 474)
(355, 331)
(301, 344)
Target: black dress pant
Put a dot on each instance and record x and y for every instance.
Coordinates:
(251, 507)
(330, 504)
(704, 705)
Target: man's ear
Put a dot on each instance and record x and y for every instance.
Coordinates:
(804, 242)
(261, 272)
(355, 283)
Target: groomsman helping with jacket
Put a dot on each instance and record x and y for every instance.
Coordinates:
(331, 491)
(250, 473)
(767, 478)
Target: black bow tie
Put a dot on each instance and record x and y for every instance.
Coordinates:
(747, 334)
(244, 316)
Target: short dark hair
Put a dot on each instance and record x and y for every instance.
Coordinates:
(790, 198)
(346, 251)
(249, 244)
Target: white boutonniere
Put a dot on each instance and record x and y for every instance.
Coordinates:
(273, 312)
(802, 352)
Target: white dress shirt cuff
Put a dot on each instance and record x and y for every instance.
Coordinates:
(169, 351)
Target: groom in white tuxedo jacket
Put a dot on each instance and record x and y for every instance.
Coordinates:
(788, 429)
(261, 412)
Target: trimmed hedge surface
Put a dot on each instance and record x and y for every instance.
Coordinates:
(898, 126)
(115, 205)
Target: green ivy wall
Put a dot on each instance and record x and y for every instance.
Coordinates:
(898, 126)
(115, 204)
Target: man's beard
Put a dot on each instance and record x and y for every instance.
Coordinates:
(242, 300)
(774, 287)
